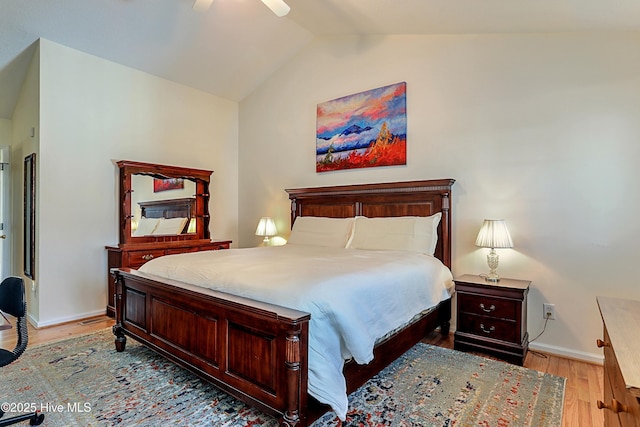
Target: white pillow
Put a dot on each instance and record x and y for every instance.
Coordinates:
(321, 231)
(146, 226)
(404, 233)
(170, 226)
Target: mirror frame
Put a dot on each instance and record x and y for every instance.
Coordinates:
(202, 179)
(29, 244)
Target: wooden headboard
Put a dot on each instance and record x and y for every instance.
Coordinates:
(411, 198)
(170, 208)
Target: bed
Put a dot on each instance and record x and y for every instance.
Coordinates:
(258, 351)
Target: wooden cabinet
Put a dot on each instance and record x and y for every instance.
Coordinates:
(492, 317)
(135, 255)
(621, 325)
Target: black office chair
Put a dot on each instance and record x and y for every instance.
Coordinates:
(12, 301)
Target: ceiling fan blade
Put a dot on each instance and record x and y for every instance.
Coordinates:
(201, 5)
(279, 7)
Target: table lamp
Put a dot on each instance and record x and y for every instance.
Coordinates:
(266, 228)
(493, 234)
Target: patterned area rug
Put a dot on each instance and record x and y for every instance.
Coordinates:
(84, 382)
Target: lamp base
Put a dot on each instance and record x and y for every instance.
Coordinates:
(491, 277)
(492, 261)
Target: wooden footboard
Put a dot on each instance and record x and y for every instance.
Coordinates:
(256, 352)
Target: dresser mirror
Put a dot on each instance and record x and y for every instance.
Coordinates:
(154, 199)
(162, 203)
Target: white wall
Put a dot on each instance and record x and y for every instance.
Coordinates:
(93, 113)
(541, 130)
(5, 132)
(25, 124)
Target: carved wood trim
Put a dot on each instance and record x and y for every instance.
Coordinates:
(201, 177)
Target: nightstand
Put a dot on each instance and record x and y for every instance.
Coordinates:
(492, 317)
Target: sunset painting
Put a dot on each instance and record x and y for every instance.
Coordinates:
(363, 130)
(167, 184)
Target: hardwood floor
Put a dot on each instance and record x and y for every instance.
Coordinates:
(583, 386)
(55, 333)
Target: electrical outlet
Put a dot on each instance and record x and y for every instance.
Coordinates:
(549, 311)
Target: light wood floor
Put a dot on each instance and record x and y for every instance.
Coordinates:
(583, 387)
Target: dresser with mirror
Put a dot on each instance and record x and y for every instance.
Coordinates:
(164, 210)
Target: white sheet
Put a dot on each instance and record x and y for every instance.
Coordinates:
(354, 296)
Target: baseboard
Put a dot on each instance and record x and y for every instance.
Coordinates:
(68, 319)
(568, 353)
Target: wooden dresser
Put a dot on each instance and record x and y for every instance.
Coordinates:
(139, 183)
(135, 255)
(621, 343)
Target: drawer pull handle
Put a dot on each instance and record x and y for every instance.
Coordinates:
(615, 406)
(487, 310)
(147, 257)
(601, 343)
(487, 331)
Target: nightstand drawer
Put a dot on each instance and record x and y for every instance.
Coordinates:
(487, 306)
(488, 327)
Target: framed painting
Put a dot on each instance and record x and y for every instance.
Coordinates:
(29, 245)
(366, 129)
(167, 184)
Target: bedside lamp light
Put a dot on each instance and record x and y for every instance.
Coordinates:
(266, 228)
(493, 234)
(279, 7)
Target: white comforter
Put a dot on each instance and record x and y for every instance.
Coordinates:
(354, 296)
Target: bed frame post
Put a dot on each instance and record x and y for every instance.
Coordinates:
(444, 314)
(296, 385)
(446, 226)
(444, 317)
(118, 330)
(294, 211)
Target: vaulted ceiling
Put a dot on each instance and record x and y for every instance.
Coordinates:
(233, 46)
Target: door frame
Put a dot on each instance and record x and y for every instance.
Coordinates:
(5, 212)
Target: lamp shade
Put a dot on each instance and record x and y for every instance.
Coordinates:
(494, 234)
(266, 227)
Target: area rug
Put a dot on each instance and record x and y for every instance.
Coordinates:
(84, 382)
